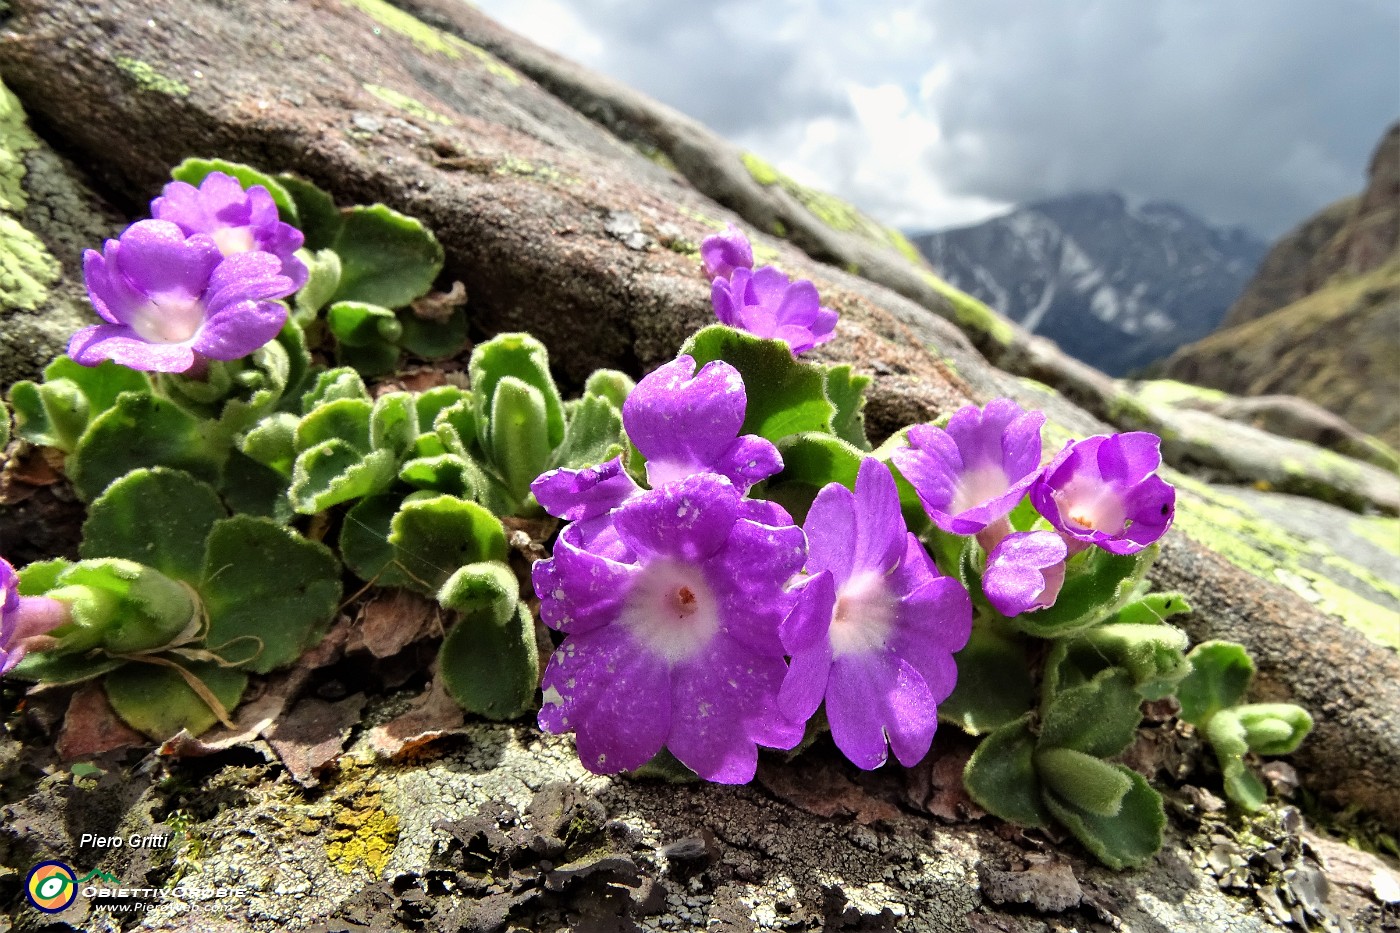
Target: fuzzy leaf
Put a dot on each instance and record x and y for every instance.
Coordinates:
(1220, 675)
(1097, 584)
(120, 607)
(272, 442)
(1274, 728)
(393, 423)
(593, 435)
(785, 396)
(812, 460)
(333, 472)
(157, 517)
(433, 340)
(1152, 653)
(359, 324)
(386, 258)
(56, 413)
(338, 383)
(1153, 607)
(994, 683)
(1227, 736)
(1001, 776)
(194, 171)
(158, 701)
(1129, 838)
(434, 535)
(443, 473)
(143, 430)
(846, 390)
(518, 442)
(322, 280)
(524, 358)
(269, 592)
(492, 668)
(364, 536)
(457, 427)
(610, 384)
(1081, 780)
(316, 213)
(431, 402)
(1099, 718)
(250, 488)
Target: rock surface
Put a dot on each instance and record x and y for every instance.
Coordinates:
(528, 197)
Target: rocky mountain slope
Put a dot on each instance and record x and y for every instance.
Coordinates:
(1115, 285)
(1322, 318)
(572, 207)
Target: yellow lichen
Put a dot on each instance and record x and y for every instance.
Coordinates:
(407, 104)
(429, 39)
(363, 832)
(972, 314)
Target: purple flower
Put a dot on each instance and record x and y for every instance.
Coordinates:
(768, 304)
(725, 252)
(1104, 490)
(875, 627)
(684, 423)
(23, 618)
(677, 644)
(971, 474)
(238, 221)
(1025, 572)
(171, 301)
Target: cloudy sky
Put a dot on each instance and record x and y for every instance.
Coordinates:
(933, 113)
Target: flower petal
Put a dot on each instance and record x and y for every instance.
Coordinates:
(237, 330)
(689, 519)
(681, 420)
(575, 495)
(121, 344)
(156, 258)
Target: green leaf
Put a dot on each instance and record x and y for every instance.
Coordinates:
(784, 396)
(56, 413)
(143, 430)
(1221, 672)
(48, 667)
(1227, 736)
(1097, 584)
(1099, 718)
(317, 216)
(323, 278)
(432, 339)
(492, 669)
(1154, 654)
(386, 258)
(333, 384)
(4, 426)
(994, 683)
(518, 444)
(235, 393)
(1274, 728)
(443, 473)
(364, 536)
(431, 402)
(523, 358)
(346, 419)
(593, 435)
(487, 587)
(269, 592)
(846, 390)
(434, 535)
(457, 427)
(1085, 782)
(194, 171)
(157, 517)
(1001, 776)
(813, 459)
(375, 359)
(1154, 607)
(1129, 838)
(610, 384)
(359, 324)
(393, 423)
(120, 606)
(333, 472)
(272, 442)
(159, 701)
(250, 488)
(292, 339)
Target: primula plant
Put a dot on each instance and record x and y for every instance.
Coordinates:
(735, 566)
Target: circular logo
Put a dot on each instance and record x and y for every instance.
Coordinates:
(51, 886)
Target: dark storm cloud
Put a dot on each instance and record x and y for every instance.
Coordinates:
(1256, 112)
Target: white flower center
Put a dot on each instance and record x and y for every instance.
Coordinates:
(865, 610)
(234, 239)
(979, 485)
(1092, 507)
(169, 320)
(672, 610)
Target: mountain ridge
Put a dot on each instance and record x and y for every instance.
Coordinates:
(1149, 276)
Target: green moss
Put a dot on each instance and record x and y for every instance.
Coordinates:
(971, 314)
(407, 104)
(429, 39)
(1230, 528)
(148, 79)
(1172, 393)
